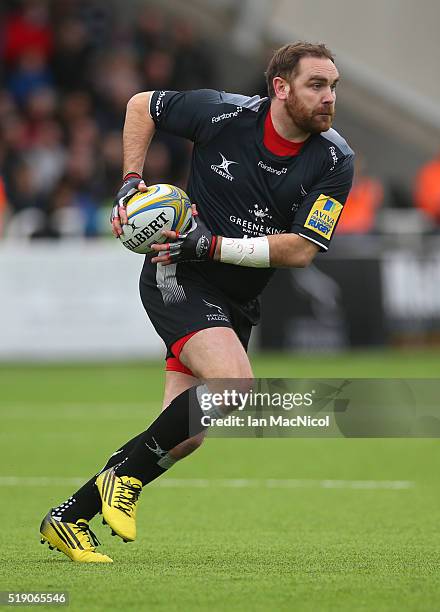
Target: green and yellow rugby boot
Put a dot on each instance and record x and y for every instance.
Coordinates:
(119, 495)
(76, 540)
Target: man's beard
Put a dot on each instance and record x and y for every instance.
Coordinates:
(312, 122)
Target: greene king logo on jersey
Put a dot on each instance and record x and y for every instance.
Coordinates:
(259, 212)
(223, 168)
(257, 227)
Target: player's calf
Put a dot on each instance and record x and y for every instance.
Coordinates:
(187, 447)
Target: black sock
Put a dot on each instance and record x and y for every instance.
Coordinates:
(148, 458)
(86, 502)
(179, 421)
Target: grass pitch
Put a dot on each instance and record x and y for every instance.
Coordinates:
(228, 532)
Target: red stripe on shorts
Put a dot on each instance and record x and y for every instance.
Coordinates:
(173, 363)
(177, 347)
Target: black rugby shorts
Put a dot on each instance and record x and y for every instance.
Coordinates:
(179, 301)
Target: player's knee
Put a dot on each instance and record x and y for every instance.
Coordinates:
(245, 370)
(231, 368)
(241, 371)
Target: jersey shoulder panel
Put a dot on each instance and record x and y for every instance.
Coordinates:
(334, 138)
(252, 103)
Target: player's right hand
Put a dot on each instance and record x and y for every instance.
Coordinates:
(133, 182)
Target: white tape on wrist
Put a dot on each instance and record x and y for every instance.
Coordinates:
(249, 252)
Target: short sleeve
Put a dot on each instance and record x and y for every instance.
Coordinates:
(185, 113)
(318, 215)
(199, 114)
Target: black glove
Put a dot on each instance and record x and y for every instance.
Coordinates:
(128, 189)
(197, 244)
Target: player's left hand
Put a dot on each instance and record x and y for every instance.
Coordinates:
(197, 244)
(133, 183)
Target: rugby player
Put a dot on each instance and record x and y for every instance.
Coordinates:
(270, 177)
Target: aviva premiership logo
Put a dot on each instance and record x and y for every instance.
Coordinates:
(323, 216)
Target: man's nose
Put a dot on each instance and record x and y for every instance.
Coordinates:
(329, 96)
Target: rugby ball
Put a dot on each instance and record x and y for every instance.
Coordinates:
(161, 207)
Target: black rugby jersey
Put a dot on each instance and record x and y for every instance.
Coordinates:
(243, 190)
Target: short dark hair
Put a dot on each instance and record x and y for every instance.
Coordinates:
(285, 60)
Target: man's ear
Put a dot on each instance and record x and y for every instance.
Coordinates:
(281, 88)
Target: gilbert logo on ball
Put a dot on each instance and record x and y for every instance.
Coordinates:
(161, 207)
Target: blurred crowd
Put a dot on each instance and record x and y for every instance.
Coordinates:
(68, 68)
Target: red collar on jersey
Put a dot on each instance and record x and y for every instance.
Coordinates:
(275, 143)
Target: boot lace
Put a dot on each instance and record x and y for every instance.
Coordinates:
(126, 497)
(84, 530)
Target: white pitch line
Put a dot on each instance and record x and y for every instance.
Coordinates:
(74, 410)
(228, 483)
